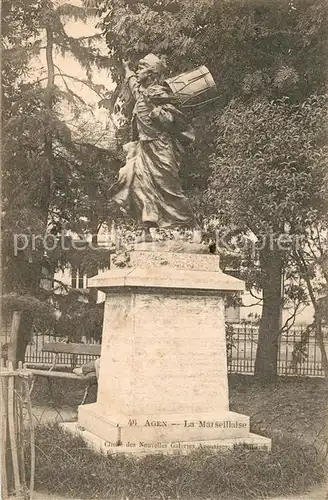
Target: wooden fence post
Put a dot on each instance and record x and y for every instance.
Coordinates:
(14, 393)
(3, 413)
(12, 349)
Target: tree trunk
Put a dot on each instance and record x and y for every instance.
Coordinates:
(321, 342)
(270, 324)
(32, 286)
(47, 173)
(25, 334)
(14, 335)
(93, 271)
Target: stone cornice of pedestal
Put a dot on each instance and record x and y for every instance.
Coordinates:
(166, 277)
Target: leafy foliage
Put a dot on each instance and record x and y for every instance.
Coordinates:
(79, 318)
(271, 159)
(54, 180)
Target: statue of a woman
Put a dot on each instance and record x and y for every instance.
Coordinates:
(149, 187)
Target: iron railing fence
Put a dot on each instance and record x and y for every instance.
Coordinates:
(298, 353)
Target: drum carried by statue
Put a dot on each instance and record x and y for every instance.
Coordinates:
(193, 87)
(189, 89)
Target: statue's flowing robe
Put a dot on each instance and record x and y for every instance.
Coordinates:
(149, 187)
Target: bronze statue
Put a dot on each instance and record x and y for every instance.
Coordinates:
(148, 187)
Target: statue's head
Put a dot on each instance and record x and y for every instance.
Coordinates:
(150, 68)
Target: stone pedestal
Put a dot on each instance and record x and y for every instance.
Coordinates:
(163, 384)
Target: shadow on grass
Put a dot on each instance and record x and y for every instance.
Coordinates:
(66, 465)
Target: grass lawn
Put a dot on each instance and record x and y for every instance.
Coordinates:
(291, 411)
(294, 406)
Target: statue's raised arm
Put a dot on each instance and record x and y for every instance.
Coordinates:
(131, 79)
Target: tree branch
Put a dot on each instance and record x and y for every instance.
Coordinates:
(84, 82)
(53, 280)
(252, 305)
(255, 297)
(286, 327)
(70, 91)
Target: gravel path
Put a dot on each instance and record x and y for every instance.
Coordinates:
(44, 414)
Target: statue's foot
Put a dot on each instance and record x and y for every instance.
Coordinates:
(197, 235)
(146, 236)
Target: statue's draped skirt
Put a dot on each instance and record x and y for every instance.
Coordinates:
(149, 187)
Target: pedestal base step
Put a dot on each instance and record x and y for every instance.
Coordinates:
(140, 448)
(163, 427)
